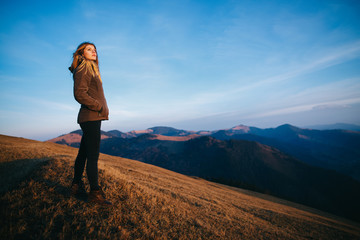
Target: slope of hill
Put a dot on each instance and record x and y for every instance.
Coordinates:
(149, 203)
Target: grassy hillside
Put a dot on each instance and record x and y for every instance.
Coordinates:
(149, 203)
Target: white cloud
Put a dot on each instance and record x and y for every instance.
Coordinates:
(329, 58)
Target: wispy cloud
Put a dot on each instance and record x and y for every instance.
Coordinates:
(52, 104)
(35, 104)
(333, 57)
(345, 103)
(343, 89)
(330, 58)
(331, 106)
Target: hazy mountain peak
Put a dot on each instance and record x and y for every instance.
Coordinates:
(240, 128)
(79, 131)
(287, 126)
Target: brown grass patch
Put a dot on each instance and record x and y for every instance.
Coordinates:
(149, 203)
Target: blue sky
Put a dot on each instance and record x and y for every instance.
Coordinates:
(194, 65)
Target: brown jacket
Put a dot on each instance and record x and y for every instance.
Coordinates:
(88, 91)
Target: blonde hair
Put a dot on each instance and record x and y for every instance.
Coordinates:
(79, 62)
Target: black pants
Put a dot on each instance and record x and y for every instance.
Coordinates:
(88, 153)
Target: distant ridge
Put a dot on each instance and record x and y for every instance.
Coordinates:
(239, 129)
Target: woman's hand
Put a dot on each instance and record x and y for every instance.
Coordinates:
(104, 111)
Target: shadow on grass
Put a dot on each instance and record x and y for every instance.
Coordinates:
(14, 172)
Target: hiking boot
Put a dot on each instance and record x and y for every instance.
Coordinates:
(98, 196)
(78, 190)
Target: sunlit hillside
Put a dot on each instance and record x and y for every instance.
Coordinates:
(149, 203)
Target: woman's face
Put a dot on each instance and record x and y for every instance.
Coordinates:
(90, 52)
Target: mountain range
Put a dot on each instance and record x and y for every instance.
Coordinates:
(336, 149)
(286, 161)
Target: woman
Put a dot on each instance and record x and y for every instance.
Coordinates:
(88, 91)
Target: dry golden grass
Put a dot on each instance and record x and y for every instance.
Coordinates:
(149, 203)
